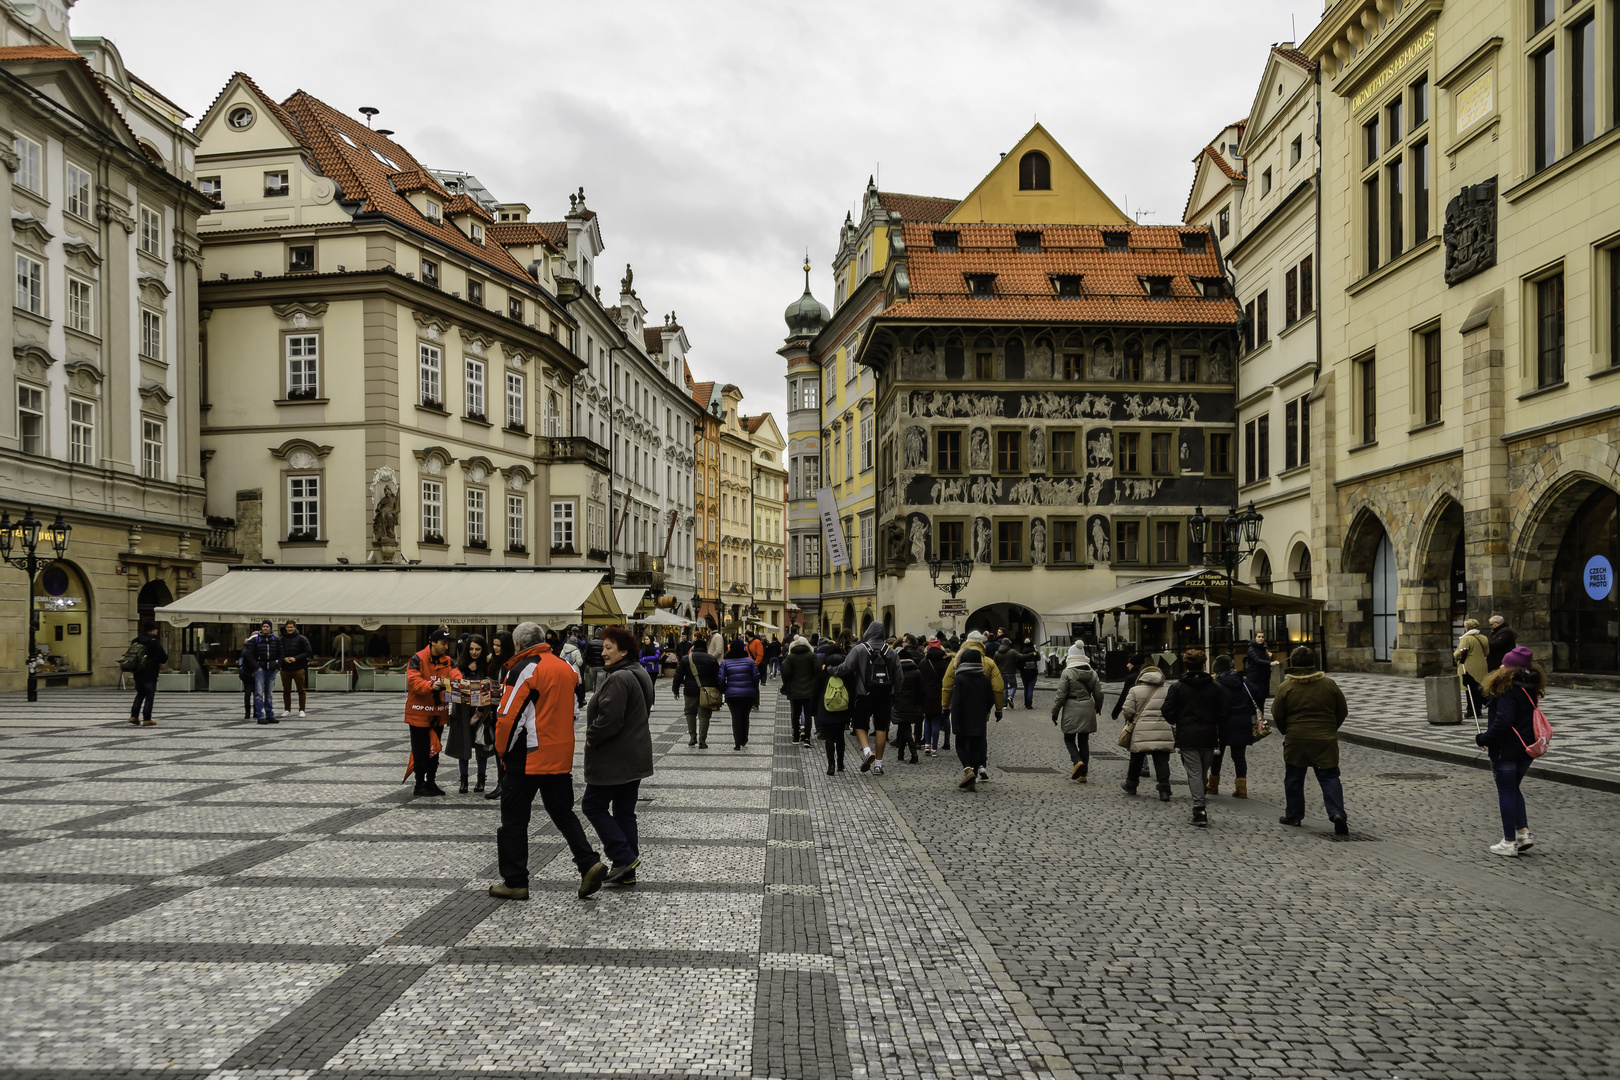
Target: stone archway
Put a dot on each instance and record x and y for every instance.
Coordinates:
(1351, 612)
(1536, 559)
(1426, 594)
(1019, 622)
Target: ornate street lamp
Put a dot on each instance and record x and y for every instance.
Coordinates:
(961, 569)
(1238, 536)
(24, 534)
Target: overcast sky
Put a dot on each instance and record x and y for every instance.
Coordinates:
(720, 139)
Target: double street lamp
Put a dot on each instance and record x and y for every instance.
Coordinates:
(1226, 544)
(24, 534)
(961, 569)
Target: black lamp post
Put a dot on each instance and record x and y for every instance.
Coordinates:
(1236, 540)
(24, 534)
(961, 569)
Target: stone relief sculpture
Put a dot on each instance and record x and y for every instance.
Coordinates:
(1137, 489)
(916, 448)
(1037, 449)
(1220, 364)
(981, 539)
(1183, 408)
(1158, 365)
(979, 458)
(1097, 546)
(1104, 365)
(1470, 231)
(1097, 492)
(919, 538)
(1037, 542)
(947, 406)
(384, 491)
(946, 491)
(894, 543)
(1099, 447)
(984, 489)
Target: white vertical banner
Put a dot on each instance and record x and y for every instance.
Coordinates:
(832, 530)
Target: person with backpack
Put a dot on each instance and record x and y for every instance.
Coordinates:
(1029, 667)
(1237, 730)
(1196, 706)
(972, 696)
(143, 659)
(756, 652)
(936, 721)
(799, 680)
(871, 671)
(833, 706)
(1074, 709)
(295, 655)
(739, 676)
(697, 682)
(1512, 694)
(261, 658)
(1309, 710)
(907, 705)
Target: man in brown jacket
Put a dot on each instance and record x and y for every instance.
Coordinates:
(1308, 711)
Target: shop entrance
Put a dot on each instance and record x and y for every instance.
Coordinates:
(63, 604)
(1585, 605)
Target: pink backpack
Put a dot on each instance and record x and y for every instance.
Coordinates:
(1543, 730)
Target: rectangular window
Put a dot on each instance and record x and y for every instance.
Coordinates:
(1294, 150)
(1305, 430)
(1220, 454)
(152, 449)
(1373, 210)
(1420, 103)
(810, 389)
(1291, 296)
(514, 401)
(1550, 330)
(984, 366)
(1187, 367)
(1128, 459)
(1614, 306)
(1262, 316)
(275, 184)
(475, 292)
(514, 308)
(477, 532)
(430, 273)
(301, 258)
(151, 229)
(949, 540)
(1265, 182)
(30, 164)
(1290, 435)
(1167, 542)
(1064, 459)
(81, 433)
(210, 186)
(517, 531)
(80, 309)
(429, 376)
(1396, 208)
(849, 457)
(562, 525)
(866, 444)
(1248, 327)
(1370, 139)
(30, 285)
(1263, 447)
(1009, 541)
(1127, 541)
(1544, 95)
(303, 508)
(1307, 286)
(1009, 451)
(1430, 344)
(1542, 12)
(303, 366)
(1225, 221)
(31, 419)
(1369, 399)
(1164, 454)
(1394, 114)
(1065, 542)
(78, 192)
(432, 512)
(151, 334)
(1074, 366)
(1420, 191)
(1582, 83)
(868, 541)
(1249, 445)
(475, 389)
(812, 556)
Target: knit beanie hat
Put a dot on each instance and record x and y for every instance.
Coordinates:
(1520, 657)
(976, 635)
(1077, 651)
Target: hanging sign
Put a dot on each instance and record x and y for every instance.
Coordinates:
(832, 530)
(1599, 579)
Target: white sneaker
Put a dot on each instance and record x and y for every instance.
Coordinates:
(1525, 840)
(877, 767)
(984, 773)
(1505, 847)
(301, 712)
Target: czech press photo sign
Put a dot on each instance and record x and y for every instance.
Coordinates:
(832, 530)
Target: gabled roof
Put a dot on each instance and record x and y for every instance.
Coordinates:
(1073, 197)
(653, 338)
(754, 423)
(1297, 58)
(702, 392)
(520, 234)
(917, 207)
(1209, 160)
(22, 54)
(466, 204)
(1111, 290)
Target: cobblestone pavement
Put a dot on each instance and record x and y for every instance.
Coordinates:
(215, 899)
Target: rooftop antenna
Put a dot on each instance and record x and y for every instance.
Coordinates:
(1293, 30)
(1140, 214)
(368, 112)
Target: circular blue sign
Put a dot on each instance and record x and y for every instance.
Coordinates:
(1599, 578)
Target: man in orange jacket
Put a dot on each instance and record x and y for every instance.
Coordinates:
(427, 680)
(534, 736)
(756, 652)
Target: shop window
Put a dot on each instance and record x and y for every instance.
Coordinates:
(1585, 602)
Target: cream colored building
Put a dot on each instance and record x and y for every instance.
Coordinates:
(383, 379)
(769, 483)
(101, 380)
(736, 509)
(1465, 445)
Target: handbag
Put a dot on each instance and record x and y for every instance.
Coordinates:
(710, 697)
(1125, 734)
(1259, 727)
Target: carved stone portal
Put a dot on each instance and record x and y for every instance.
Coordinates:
(1470, 231)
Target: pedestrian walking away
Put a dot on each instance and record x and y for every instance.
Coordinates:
(870, 671)
(1512, 693)
(973, 695)
(1237, 731)
(1196, 706)
(756, 652)
(697, 681)
(1133, 668)
(143, 660)
(936, 721)
(1150, 736)
(739, 677)
(427, 707)
(978, 649)
(472, 666)
(833, 707)
(593, 661)
(261, 657)
(618, 753)
(295, 655)
(1308, 711)
(1503, 641)
(799, 670)
(1473, 656)
(1008, 661)
(535, 738)
(907, 703)
(1029, 667)
(1075, 707)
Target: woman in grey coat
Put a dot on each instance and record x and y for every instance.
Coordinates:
(618, 752)
(1079, 697)
(1152, 736)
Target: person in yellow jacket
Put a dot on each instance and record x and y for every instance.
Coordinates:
(1472, 656)
(974, 642)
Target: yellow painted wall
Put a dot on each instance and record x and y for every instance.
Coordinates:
(1073, 199)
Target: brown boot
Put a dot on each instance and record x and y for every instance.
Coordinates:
(1242, 789)
(1213, 785)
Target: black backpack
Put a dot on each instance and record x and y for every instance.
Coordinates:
(878, 677)
(134, 660)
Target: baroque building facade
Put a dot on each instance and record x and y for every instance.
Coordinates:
(1465, 446)
(767, 533)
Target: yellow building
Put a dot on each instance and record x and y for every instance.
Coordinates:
(736, 510)
(768, 533)
(1465, 447)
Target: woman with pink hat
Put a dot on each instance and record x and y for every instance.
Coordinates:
(1511, 693)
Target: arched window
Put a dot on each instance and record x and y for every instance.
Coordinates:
(1034, 172)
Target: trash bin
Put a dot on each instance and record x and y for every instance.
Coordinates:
(1444, 694)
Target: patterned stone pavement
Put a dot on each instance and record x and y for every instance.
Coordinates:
(215, 899)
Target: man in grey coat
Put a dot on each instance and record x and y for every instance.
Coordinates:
(618, 752)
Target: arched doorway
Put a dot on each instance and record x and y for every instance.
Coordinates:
(1300, 562)
(1585, 609)
(1369, 620)
(154, 594)
(1018, 621)
(1385, 594)
(65, 619)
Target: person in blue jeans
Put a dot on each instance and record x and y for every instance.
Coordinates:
(1511, 694)
(140, 713)
(1309, 710)
(261, 658)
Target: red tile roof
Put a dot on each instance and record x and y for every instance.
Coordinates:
(20, 54)
(1111, 290)
(1222, 164)
(653, 338)
(917, 207)
(702, 392)
(466, 204)
(555, 231)
(1294, 56)
(757, 422)
(520, 234)
(36, 52)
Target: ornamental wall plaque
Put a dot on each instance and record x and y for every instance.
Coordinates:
(1470, 231)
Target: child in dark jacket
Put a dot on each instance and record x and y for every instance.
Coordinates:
(1511, 693)
(830, 725)
(907, 705)
(972, 698)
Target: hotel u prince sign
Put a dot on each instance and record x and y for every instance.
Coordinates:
(1392, 69)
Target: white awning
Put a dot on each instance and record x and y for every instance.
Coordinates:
(1121, 597)
(629, 598)
(394, 595)
(659, 617)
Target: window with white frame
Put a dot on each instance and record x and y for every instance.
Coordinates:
(812, 556)
(477, 531)
(151, 334)
(553, 416)
(868, 548)
(30, 285)
(596, 527)
(432, 512)
(152, 232)
(514, 401)
(152, 449)
(303, 507)
(80, 306)
(81, 432)
(303, 365)
(562, 525)
(516, 523)
(475, 389)
(78, 191)
(811, 391)
(429, 375)
(30, 164)
(31, 419)
(866, 444)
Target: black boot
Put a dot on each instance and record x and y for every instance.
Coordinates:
(463, 783)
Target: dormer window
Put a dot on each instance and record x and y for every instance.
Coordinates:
(1067, 285)
(945, 241)
(981, 286)
(1211, 288)
(1029, 243)
(1157, 286)
(430, 272)
(1116, 241)
(433, 211)
(1194, 241)
(476, 231)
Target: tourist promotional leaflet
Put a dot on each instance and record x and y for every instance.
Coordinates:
(475, 692)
